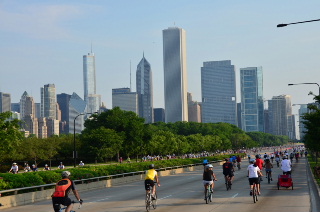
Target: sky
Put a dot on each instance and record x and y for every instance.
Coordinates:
(44, 41)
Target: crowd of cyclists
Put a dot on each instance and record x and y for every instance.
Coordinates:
(257, 163)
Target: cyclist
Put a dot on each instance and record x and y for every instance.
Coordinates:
(208, 177)
(278, 160)
(259, 162)
(228, 170)
(286, 165)
(253, 173)
(268, 167)
(150, 179)
(60, 195)
(239, 162)
(14, 168)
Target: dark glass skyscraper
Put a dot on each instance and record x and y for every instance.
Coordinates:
(145, 90)
(218, 89)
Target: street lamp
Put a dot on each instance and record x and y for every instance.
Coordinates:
(307, 83)
(283, 25)
(74, 138)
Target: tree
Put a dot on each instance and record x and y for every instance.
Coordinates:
(102, 143)
(312, 124)
(10, 137)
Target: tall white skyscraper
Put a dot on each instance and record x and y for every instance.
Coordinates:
(92, 99)
(218, 89)
(145, 90)
(175, 74)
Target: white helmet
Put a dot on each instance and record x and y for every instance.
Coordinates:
(65, 174)
(209, 166)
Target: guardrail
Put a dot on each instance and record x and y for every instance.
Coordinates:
(89, 180)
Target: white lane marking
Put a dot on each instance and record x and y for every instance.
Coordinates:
(235, 195)
(98, 200)
(165, 197)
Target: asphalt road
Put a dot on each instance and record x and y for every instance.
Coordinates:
(184, 192)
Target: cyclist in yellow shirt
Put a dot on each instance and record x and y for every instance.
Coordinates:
(150, 179)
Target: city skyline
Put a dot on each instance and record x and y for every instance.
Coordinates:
(49, 51)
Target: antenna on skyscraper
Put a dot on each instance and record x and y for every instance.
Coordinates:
(130, 76)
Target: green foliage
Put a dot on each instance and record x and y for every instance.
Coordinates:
(10, 137)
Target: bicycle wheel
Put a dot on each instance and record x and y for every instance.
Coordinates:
(207, 196)
(229, 185)
(148, 202)
(154, 201)
(269, 178)
(255, 193)
(210, 196)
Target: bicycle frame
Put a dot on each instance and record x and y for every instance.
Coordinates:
(149, 200)
(64, 208)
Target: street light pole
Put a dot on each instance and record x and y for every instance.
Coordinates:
(74, 139)
(300, 22)
(307, 83)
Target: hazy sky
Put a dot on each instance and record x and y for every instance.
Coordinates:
(44, 41)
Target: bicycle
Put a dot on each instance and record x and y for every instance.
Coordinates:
(239, 165)
(151, 201)
(277, 163)
(208, 194)
(269, 176)
(255, 192)
(228, 183)
(64, 208)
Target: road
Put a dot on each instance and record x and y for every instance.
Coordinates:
(184, 192)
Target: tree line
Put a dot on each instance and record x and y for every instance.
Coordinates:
(116, 132)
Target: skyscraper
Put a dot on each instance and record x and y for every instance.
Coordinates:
(218, 88)
(175, 74)
(125, 99)
(252, 110)
(63, 101)
(76, 106)
(194, 110)
(5, 102)
(282, 119)
(144, 88)
(48, 101)
(23, 103)
(89, 83)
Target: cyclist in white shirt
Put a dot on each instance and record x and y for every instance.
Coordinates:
(253, 173)
(286, 165)
(14, 168)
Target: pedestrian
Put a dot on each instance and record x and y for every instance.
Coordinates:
(34, 168)
(81, 163)
(46, 168)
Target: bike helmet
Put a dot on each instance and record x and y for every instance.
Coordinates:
(257, 156)
(252, 161)
(65, 174)
(209, 166)
(151, 166)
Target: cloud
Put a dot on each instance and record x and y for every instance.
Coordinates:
(38, 20)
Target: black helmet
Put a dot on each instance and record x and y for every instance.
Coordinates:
(257, 156)
(151, 166)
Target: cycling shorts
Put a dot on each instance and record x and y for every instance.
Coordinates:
(57, 201)
(230, 174)
(254, 180)
(148, 183)
(207, 182)
(268, 170)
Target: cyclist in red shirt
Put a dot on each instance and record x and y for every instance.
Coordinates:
(259, 163)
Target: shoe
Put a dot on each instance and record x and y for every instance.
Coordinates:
(258, 193)
(271, 179)
(211, 191)
(250, 193)
(261, 179)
